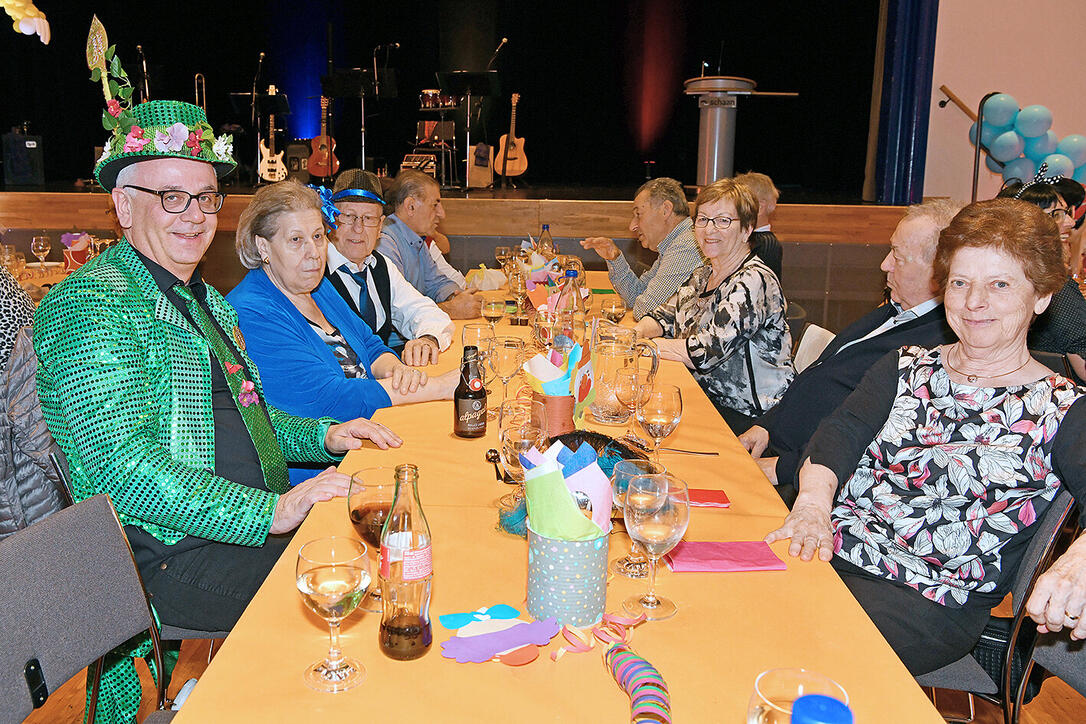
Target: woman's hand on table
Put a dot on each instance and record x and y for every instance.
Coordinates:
(346, 436)
(1058, 600)
(603, 246)
(755, 440)
(673, 349)
(808, 525)
(421, 352)
(402, 378)
(294, 505)
(648, 328)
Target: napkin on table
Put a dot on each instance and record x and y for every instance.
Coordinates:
(723, 557)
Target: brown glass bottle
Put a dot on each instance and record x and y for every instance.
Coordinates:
(469, 398)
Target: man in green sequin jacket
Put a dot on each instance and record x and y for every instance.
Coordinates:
(136, 397)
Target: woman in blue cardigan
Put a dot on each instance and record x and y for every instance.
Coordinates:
(315, 355)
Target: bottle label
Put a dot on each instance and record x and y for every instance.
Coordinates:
(471, 414)
(418, 563)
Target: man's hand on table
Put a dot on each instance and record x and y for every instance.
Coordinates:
(463, 305)
(603, 246)
(294, 505)
(1058, 600)
(347, 436)
(421, 352)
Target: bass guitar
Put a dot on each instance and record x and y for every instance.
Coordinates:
(271, 166)
(513, 162)
(323, 161)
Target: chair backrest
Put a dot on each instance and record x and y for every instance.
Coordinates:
(1053, 361)
(70, 594)
(796, 317)
(1040, 547)
(812, 341)
(1062, 657)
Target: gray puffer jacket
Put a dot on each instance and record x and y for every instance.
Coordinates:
(30, 488)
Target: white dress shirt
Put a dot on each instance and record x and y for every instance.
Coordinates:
(900, 318)
(413, 315)
(446, 268)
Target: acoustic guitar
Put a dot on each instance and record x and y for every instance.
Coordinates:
(510, 148)
(271, 166)
(323, 161)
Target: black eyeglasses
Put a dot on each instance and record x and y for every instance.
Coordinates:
(176, 201)
(720, 222)
(1060, 213)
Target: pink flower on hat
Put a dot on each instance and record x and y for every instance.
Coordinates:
(194, 141)
(135, 141)
(114, 107)
(172, 139)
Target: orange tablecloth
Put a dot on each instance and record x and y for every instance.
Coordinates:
(729, 627)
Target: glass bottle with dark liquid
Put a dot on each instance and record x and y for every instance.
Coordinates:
(469, 398)
(406, 573)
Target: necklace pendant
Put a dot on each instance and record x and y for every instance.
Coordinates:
(971, 378)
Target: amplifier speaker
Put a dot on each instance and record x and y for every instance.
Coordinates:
(296, 159)
(23, 165)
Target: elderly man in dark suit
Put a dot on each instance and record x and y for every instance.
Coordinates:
(913, 316)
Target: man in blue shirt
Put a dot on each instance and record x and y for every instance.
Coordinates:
(416, 202)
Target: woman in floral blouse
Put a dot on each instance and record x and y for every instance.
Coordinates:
(727, 321)
(925, 485)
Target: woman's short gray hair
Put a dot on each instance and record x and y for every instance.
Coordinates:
(261, 216)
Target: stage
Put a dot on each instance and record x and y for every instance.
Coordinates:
(831, 251)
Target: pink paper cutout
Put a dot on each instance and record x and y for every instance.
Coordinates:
(704, 498)
(718, 557)
(479, 649)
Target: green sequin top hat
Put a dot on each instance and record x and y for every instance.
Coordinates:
(153, 129)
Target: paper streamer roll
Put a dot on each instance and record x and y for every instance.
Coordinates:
(650, 702)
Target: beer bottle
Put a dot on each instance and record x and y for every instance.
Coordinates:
(469, 399)
(406, 570)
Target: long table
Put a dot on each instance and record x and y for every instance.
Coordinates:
(729, 627)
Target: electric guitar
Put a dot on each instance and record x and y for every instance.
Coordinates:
(323, 161)
(511, 148)
(271, 167)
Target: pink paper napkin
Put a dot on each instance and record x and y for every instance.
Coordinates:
(704, 498)
(721, 557)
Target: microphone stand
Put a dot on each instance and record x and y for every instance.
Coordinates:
(253, 119)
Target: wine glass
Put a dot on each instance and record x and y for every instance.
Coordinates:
(369, 499)
(656, 511)
(632, 565)
(613, 308)
(505, 357)
(518, 287)
(40, 247)
(630, 388)
(493, 311)
(776, 690)
(522, 425)
(479, 335)
(658, 413)
(502, 254)
(332, 576)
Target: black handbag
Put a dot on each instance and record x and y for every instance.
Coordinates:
(992, 648)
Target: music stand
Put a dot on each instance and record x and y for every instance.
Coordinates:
(359, 83)
(469, 83)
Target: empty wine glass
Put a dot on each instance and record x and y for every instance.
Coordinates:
(657, 512)
(479, 335)
(369, 499)
(17, 264)
(613, 308)
(634, 564)
(40, 247)
(502, 254)
(658, 413)
(522, 425)
(518, 287)
(332, 576)
(630, 388)
(493, 311)
(505, 356)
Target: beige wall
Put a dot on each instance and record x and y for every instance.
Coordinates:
(1005, 45)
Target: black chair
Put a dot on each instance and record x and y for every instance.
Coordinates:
(795, 316)
(966, 674)
(71, 594)
(1055, 362)
(1061, 657)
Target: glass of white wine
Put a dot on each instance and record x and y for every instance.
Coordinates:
(613, 308)
(333, 575)
(657, 512)
(659, 412)
(776, 690)
(493, 311)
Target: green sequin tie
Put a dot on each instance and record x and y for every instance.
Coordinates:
(272, 461)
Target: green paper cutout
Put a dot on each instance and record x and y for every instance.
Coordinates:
(552, 512)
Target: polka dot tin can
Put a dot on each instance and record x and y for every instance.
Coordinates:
(567, 579)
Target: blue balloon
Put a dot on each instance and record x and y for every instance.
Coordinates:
(1073, 146)
(993, 165)
(1033, 121)
(1037, 148)
(988, 133)
(1006, 146)
(1000, 109)
(1020, 168)
(1059, 165)
(1080, 174)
